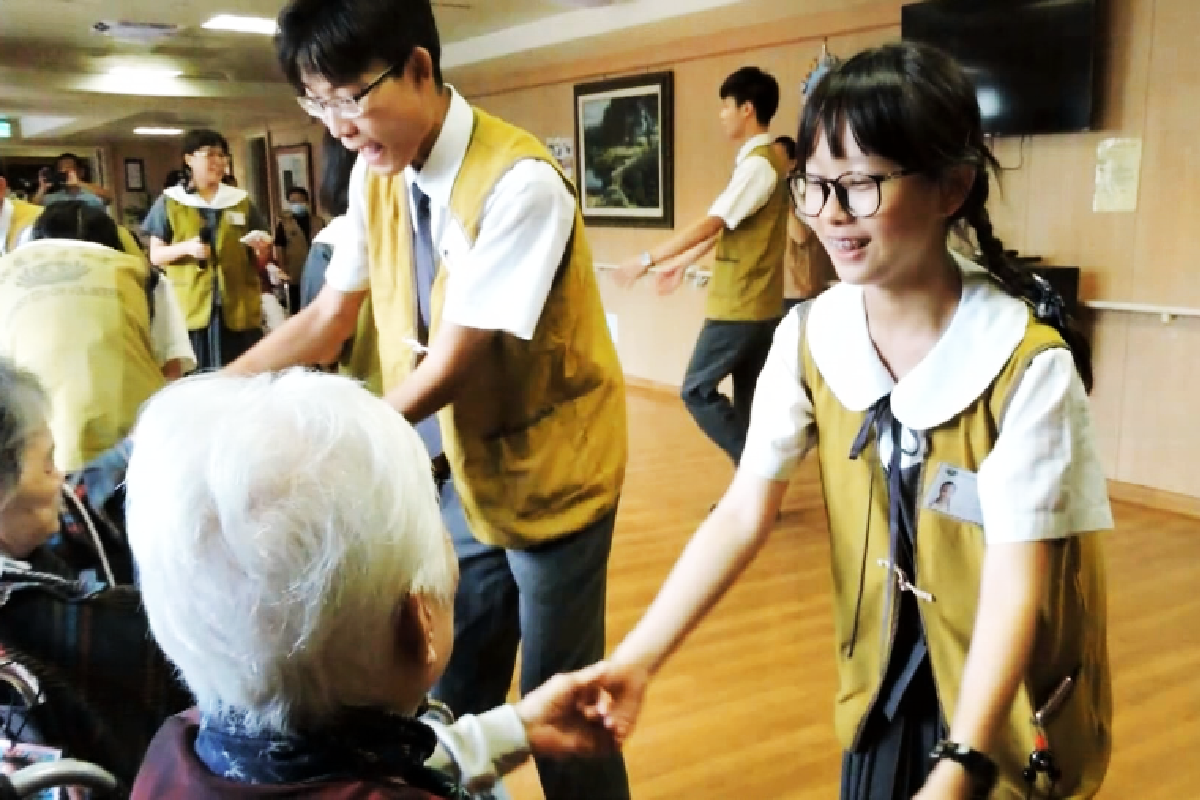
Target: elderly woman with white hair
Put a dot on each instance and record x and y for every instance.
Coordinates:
(295, 569)
(69, 615)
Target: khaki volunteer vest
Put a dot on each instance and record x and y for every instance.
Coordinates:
(23, 217)
(241, 291)
(1071, 632)
(295, 254)
(807, 268)
(537, 440)
(747, 279)
(129, 242)
(77, 316)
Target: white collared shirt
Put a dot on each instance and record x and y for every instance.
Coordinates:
(750, 187)
(1043, 478)
(6, 214)
(501, 283)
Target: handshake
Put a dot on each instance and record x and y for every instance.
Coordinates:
(589, 712)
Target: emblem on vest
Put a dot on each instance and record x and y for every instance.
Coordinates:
(30, 274)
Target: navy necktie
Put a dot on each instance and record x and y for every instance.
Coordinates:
(424, 272)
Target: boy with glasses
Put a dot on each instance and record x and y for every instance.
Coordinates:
(472, 246)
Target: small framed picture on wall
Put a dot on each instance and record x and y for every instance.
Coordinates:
(135, 175)
(293, 168)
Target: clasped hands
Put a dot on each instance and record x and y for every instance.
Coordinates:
(594, 711)
(589, 712)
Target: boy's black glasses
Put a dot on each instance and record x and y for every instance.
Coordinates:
(344, 107)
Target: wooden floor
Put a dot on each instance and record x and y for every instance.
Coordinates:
(744, 710)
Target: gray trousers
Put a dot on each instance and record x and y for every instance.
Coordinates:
(724, 349)
(550, 599)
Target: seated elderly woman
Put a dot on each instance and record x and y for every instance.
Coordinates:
(295, 569)
(67, 613)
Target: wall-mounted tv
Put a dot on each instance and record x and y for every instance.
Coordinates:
(1032, 61)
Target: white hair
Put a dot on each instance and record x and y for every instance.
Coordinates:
(278, 522)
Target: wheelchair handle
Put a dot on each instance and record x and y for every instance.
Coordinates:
(66, 772)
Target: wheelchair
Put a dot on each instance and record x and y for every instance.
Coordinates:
(80, 674)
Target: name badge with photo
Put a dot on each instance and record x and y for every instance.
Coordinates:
(237, 218)
(955, 493)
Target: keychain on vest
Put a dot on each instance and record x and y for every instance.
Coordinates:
(1041, 760)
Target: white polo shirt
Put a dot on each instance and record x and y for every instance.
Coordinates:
(501, 283)
(1043, 478)
(750, 187)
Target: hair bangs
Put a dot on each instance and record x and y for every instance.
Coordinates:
(867, 96)
(323, 42)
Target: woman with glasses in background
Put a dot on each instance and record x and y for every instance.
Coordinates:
(196, 234)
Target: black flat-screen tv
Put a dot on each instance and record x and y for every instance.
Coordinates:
(1032, 61)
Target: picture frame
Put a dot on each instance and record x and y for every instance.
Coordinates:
(625, 150)
(293, 169)
(135, 175)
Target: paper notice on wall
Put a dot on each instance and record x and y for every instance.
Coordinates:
(1118, 172)
(563, 150)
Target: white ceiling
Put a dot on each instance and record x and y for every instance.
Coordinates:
(52, 63)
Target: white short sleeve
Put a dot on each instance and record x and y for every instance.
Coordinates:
(749, 190)
(502, 282)
(168, 329)
(781, 419)
(1043, 479)
(273, 315)
(349, 269)
(479, 750)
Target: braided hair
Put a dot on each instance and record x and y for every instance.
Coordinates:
(912, 104)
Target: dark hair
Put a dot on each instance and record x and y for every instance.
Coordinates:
(340, 41)
(297, 190)
(176, 177)
(337, 164)
(75, 219)
(912, 104)
(789, 146)
(82, 168)
(759, 89)
(193, 140)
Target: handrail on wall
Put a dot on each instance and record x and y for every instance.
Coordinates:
(695, 272)
(700, 277)
(1165, 313)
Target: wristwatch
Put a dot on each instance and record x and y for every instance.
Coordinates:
(978, 765)
(647, 260)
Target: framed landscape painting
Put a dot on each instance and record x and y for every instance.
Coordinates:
(624, 145)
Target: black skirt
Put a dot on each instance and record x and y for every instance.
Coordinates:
(893, 761)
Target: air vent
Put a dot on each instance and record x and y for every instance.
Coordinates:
(143, 33)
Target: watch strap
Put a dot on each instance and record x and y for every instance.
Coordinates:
(979, 766)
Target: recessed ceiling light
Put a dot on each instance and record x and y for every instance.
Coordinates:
(232, 22)
(139, 73)
(158, 131)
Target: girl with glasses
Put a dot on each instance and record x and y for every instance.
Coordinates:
(196, 231)
(970, 634)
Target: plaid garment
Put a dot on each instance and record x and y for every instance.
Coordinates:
(105, 685)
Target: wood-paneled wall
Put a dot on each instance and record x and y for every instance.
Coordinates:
(1150, 89)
